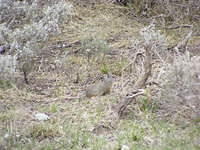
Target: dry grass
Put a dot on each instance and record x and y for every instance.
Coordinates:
(54, 88)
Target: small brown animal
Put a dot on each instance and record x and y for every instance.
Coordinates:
(100, 88)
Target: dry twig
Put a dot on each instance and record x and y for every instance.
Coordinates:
(181, 46)
(139, 84)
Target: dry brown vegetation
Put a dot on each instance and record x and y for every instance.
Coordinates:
(151, 49)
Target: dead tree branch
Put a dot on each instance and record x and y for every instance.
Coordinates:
(139, 84)
(179, 26)
(181, 46)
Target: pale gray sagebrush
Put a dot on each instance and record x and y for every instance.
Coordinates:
(180, 93)
(27, 26)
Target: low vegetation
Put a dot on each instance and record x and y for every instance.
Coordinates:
(52, 52)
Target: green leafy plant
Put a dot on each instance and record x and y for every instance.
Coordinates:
(104, 69)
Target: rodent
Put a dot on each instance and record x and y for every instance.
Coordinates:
(100, 88)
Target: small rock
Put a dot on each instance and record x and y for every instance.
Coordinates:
(42, 117)
(6, 136)
(125, 147)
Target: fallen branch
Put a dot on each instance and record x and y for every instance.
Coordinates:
(179, 26)
(121, 106)
(139, 84)
(181, 46)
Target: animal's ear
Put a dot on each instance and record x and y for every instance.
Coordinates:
(110, 75)
(105, 76)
